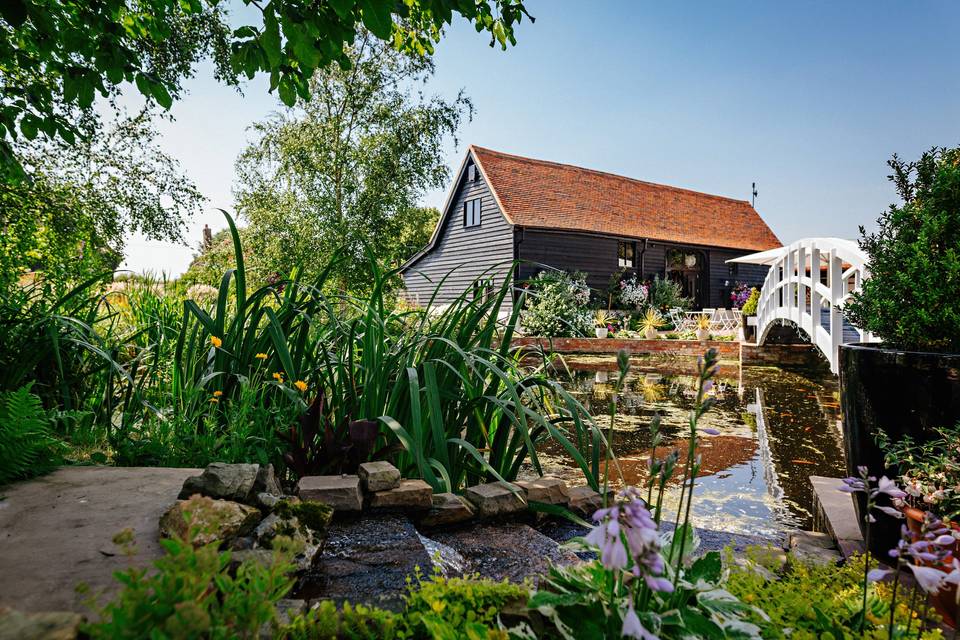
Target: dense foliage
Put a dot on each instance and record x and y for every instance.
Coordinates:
(58, 56)
(750, 306)
(555, 304)
(27, 444)
(910, 299)
(809, 601)
(347, 167)
(666, 294)
(929, 471)
(71, 219)
(289, 374)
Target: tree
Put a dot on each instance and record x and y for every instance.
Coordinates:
(71, 218)
(56, 56)
(910, 298)
(347, 169)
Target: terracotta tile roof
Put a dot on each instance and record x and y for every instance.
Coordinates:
(548, 195)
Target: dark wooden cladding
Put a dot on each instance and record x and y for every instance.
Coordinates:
(463, 254)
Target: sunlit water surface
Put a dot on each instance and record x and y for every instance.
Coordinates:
(776, 427)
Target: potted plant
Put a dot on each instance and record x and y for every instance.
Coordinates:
(600, 320)
(930, 477)
(748, 315)
(650, 322)
(703, 327)
(908, 385)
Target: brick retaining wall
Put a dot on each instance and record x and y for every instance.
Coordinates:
(729, 350)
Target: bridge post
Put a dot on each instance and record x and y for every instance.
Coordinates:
(835, 275)
(814, 292)
(790, 287)
(800, 305)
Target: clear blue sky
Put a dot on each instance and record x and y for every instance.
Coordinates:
(807, 99)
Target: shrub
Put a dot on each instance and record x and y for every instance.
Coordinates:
(555, 306)
(27, 445)
(812, 601)
(910, 299)
(750, 306)
(666, 294)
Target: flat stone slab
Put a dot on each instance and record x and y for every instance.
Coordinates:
(342, 493)
(546, 489)
(838, 515)
(367, 561)
(511, 550)
(448, 509)
(57, 531)
(495, 499)
(378, 476)
(415, 495)
(584, 501)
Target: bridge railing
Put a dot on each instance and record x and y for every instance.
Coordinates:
(807, 284)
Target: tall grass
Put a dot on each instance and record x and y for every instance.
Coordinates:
(233, 377)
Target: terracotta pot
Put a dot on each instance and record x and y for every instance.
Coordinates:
(944, 601)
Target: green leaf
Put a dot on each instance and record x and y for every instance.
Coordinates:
(343, 8)
(143, 84)
(376, 17)
(28, 127)
(288, 92)
(708, 567)
(270, 39)
(162, 95)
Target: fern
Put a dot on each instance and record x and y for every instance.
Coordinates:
(27, 446)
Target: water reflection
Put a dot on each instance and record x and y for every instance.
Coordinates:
(777, 428)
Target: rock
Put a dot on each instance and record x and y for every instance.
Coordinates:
(305, 540)
(315, 515)
(448, 508)
(511, 551)
(811, 539)
(287, 609)
(546, 489)
(267, 501)
(584, 500)
(378, 476)
(223, 481)
(45, 625)
(367, 560)
(495, 499)
(213, 520)
(266, 481)
(242, 543)
(263, 557)
(411, 494)
(340, 492)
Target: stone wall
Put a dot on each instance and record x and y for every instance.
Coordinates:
(729, 350)
(804, 356)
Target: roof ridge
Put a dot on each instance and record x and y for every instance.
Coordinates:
(565, 165)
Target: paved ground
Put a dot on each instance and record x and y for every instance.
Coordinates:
(56, 531)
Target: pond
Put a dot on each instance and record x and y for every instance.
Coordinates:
(776, 428)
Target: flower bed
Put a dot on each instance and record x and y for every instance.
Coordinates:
(726, 349)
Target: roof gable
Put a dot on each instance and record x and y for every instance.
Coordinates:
(548, 195)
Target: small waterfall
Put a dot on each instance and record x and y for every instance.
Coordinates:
(445, 557)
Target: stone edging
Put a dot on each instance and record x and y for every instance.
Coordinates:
(728, 349)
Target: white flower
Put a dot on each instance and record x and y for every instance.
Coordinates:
(929, 578)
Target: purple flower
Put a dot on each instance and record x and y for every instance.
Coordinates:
(929, 578)
(632, 627)
(944, 540)
(889, 487)
(878, 574)
(890, 511)
(710, 432)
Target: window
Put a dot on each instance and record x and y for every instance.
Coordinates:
(472, 173)
(626, 253)
(471, 213)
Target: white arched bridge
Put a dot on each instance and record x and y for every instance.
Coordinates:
(807, 285)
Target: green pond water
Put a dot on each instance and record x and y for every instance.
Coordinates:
(776, 427)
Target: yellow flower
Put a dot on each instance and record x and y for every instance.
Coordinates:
(301, 385)
(438, 605)
(278, 377)
(261, 356)
(215, 341)
(217, 394)
(215, 400)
